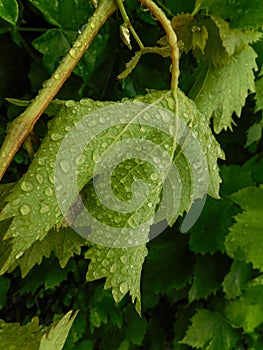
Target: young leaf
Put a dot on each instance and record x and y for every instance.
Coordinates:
(244, 241)
(9, 11)
(235, 11)
(209, 330)
(220, 91)
(235, 281)
(247, 310)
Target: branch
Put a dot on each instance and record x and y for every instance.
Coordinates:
(22, 126)
(172, 38)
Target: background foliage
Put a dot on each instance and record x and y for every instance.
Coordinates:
(201, 289)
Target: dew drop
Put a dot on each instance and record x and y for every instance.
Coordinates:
(26, 186)
(124, 287)
(80, 159)
(18, 255)
(56, 136)
(81, 29)
(92, 25)
(70, 103)
(25, 209)
(156, 160)
(72, 53)
(123, 259)
(39, 178)
(49, 191)
(113, 268)
(56, 76)
(51, 179)
(42, 161)
(65, 166)
(154, 176)
(165, 117)
(44, 208)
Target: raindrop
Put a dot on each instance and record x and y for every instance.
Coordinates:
(72, 53)
(81, 29)
(49, 191)
(65, 166)
(80, 159)
(42, 161)
(51, 179)
(26, 186)
(18, 255)
(123, 259)
(56, 136)
(154, 176)
(70, 103)
(124, 287)
(165, 117)
(39, 178)
(25, 209)
(44, 208)
(56, 76)
(92, 25)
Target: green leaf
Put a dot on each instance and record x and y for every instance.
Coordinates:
(235, 10)
(136, 327)
(210, 331)
(54, 44)
(48, 273)
(168, 252)
(57, 335)
(247, 310)
(31, 224)
(69, 15)
(220, 91)
(64, 242)
(209, 232)
(244, 241)
(208, 275)
(121, 267)
(14, 336)
(9, 11)
(234, 39)
(254, 134)
(236, 280)
(32, 336)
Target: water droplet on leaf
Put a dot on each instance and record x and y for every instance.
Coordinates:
(25, 209)
(26, 186)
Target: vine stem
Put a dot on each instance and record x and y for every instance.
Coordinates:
(172, 39)
(23, 125)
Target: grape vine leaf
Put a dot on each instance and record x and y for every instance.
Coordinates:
(207, 275)
(242, 14)
(32, 232)
(9, 11)
(68, 15)
(33, 336)
(220, 91)
(209, 330)
(57, 335)
(167, 250)
(121, 267)
(244, 241)
(64, 242)
(209, 232)
(236, 280)
(246, 311)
